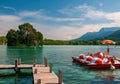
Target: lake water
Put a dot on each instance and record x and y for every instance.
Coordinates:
(60, 56)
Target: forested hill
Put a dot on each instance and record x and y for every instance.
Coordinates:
(104, 32)
(114, 36)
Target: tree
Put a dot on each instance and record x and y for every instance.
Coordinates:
(12, 38)
(27, 35)
(39, 38)
(3, 40)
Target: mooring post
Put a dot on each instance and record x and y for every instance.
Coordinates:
(39, 81)
(34, 61)
(35, 71)
(45, 62)
(60, 77)
(51, 67)
(19, 60)
(17, 70)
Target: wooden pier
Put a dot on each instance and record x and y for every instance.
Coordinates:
(42, 73)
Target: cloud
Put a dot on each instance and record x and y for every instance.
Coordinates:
(8, 22)
(76, 11)
(63, 19)
(101, 15)
(31, 13)
(8, 7)
(41, 16)
(85, 11)
(94, 14)
(115, 16)
(63, 33)
(9, 18)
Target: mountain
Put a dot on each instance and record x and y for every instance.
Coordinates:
(114, 36)
(104, 32)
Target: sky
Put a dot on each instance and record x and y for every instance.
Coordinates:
(60, 19)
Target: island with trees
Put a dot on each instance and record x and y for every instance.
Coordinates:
(26, 35)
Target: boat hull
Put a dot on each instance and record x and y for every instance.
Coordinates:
(80, 61)
(94, 66)
(102, 66)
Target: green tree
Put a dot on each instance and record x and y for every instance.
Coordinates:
(27, 35)
(39, 38)
(12, 38)
(3, 40)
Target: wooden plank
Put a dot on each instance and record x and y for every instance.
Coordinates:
(41, 69)
(25, 66)
(45, 78)
(42, 75)
(7, 66)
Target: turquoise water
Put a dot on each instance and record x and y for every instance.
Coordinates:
(60, 56)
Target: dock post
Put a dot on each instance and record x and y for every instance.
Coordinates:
(19, 60)
(45, 62)
(34, 62)
(60, 77)
(17, 70)
(51, 67)
(35, 71)
(39, 81)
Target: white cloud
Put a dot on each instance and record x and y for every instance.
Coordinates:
(8, 22)
(94, 14)
(76, 11)
(115, 16)
(98, 15)
(86, 11)
(30, 13)
(6, 26)
(63, 33)
(41, 16)
(9, 18)
(10, 8)
(63, 19)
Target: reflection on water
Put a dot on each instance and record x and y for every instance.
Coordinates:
(106, 77)
(26, 54)
(15, 79)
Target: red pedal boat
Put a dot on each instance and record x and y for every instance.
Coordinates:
(97, 61)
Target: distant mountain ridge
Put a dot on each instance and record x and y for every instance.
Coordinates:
(103, 33)
(114, 36)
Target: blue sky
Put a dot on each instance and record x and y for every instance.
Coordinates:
(60, 19)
